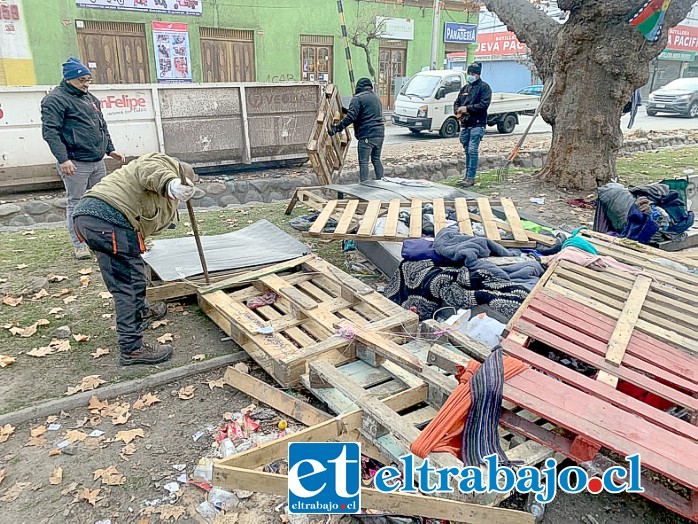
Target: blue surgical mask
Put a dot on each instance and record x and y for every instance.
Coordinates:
(470, 79)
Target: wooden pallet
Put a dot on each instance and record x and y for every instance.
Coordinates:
(328, 153)
(639, 330)
(357, 220)
(241, 471)
(314, 301)
(362, 383)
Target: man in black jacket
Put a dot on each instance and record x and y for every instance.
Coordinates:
(366, 113)
(471, 109)
(75, 130)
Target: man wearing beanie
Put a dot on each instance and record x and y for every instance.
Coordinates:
(75, 130)
(471, 110)
(366, 113)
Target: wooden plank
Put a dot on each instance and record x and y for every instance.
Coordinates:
(275, 398)
(231, 478)
(391, 219)
(512, 216)
(322, 219)
(282, 287)
(488, 223)
(439, 215)
(463, 216)
(624, 328)
(416, 218)
(368, 222)
(347, 216)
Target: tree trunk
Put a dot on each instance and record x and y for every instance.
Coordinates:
(595, 61)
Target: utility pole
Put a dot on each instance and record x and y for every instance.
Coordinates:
(436, 25)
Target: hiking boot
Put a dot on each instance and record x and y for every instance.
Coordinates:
(467, 182)
(82, 252)
(147, 354)
(156, 311)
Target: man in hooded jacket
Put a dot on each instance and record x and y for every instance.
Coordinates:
(366, 113)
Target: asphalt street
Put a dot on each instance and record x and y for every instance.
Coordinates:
(398, 135)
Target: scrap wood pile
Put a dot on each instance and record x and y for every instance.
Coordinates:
(614, 330)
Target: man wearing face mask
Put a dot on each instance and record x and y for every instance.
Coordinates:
(471, 110)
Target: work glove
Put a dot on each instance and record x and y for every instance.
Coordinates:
(177, 190)
(336, 128)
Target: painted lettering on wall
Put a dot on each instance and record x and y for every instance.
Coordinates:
(257, 99)
(113, 105)
(280, 78)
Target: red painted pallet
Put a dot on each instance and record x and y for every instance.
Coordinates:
(620, 346)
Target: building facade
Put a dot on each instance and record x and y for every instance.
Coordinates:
(149, 41)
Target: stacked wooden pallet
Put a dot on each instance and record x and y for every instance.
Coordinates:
(328, 153)
(357, 220)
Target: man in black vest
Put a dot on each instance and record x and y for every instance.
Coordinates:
(471, 110)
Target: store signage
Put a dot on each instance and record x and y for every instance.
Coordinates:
(460, 33)
(395, 28)
(172, 7)
(172, 55)
(678, 56)
(499, 46)
(683, 38)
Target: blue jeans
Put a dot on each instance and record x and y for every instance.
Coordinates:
(470, 137)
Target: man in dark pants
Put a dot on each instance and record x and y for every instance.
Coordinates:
(471, 109)
(75, 130)
(114, 218)
(366, 113)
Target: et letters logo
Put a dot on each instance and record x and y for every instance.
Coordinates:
(324, 477)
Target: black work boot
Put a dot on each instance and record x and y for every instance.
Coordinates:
(147, 354)
(156, 311)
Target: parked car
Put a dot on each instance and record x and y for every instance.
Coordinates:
(677, 97)
(531, 90)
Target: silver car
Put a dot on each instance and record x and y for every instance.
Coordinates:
(679, 97)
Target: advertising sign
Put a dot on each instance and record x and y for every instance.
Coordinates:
(172, 57)
(172, 7)
(460, 33)
(395, 28)
(683, 38)
(499, 46)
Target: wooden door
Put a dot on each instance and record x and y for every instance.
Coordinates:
(391, 64)
(118, 51)
(316, 58)
(227, 55)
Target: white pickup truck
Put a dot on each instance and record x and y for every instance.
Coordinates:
(425, 103)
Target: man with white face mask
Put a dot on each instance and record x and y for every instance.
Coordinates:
(471, 110)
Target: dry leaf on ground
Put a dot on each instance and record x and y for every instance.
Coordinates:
(81, 338)
(11, 301)
(69, 300)
(107, 315)
(167, 337)
(57, 476)
(85, 281)
(120, 419)
(41, 352)
(6, 360)
(14, 492)
(95, 405)
(56, 278)
(159, 323)
(70, 488)
(129, 449)
(29, 331)
(110, 476)
(171, 512)
(100, 353)
(60, 345)
(3, 472)
(91, 497)
(63, 292)
(198, 357)
(145, 401)
(105, 295)
(216, 383)
(242, 367)
(6, 431)
(22, 266)
(55, 311)
(38, 431)
(186, 393)
(54, 452)
(85, 271)
(86, 384)
(119, 413)
(128, 436)
(41, 294)
(38, 442)
(75, 435)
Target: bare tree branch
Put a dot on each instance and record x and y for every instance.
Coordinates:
(532, 26)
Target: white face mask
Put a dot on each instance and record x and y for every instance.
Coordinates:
(470, 79)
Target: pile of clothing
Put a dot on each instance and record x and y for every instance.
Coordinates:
(647, 214)
(453, 272)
